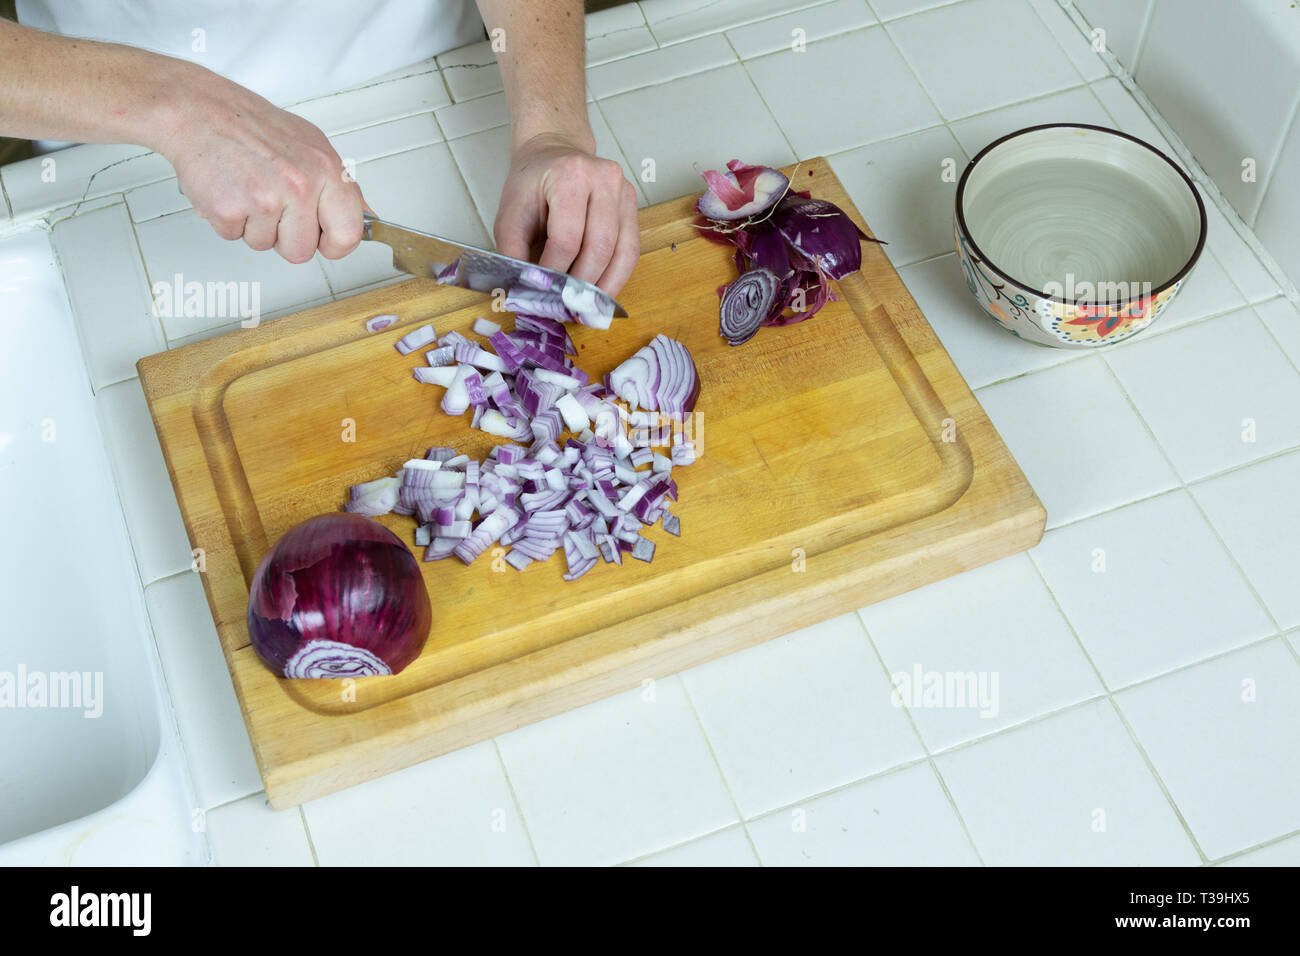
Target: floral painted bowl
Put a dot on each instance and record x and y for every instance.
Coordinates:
(1076, 236)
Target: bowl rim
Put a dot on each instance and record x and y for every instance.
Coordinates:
(965, 230)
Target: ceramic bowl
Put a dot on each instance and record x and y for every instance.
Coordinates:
(1076, 236)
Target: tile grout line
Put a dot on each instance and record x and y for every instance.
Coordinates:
(1143, 32)
(1082, 84)
(1268, 330)
(803, 5)
(167, 699)
(762, 99)
(791, 13)
(653, 36)
(947, 120)
(1291, 646)
(1063, 5)
(514, 797)
(934, 5)
(1217, 655)
(1271, 172)
(925, 747)
(1151, 332)
(662, 81)
(1184, 485)
(469, 194)
(839, 788)
(1268, 612)
(688, 842)
(911, 71)
(306, 829)
(622, 150)
(1055, 39)
(1151, 768)
(1000, 732)
(1101, 679)
(1271, 842)
(1278, 632)
(726, 785)
(906, 764)
(446, 88)
(148, 278)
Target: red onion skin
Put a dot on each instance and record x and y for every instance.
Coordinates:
(734, 195)
(767, 249)
(342, 578)
(821, 231)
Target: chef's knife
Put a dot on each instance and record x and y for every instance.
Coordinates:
(423, 255)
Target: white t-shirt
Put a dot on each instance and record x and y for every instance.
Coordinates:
(284, 50)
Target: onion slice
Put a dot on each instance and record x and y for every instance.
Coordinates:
(746, 303)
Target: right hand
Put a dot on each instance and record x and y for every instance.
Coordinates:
(261, 174)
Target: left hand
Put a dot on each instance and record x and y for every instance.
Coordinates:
(558, 191)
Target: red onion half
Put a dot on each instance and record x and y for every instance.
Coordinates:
(338, 596)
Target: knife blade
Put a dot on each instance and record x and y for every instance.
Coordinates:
(424, 254)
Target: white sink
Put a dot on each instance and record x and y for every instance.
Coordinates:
(71, 600)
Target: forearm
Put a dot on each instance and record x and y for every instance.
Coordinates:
(54, 87)
(542, 66)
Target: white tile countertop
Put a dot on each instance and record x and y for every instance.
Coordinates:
(1146, 653)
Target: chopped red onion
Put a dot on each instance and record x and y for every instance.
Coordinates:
(517, 559)
(453, 339)
(471, 354)
(588, 305)
(536, 278)
(446, 275)
(416, 339)
(455, 401)
(583, 494)
(373, 498)
(440, 548)
(474, 390)
(441, 356)
(377, 323)
(508, 351)
(443, 375)
(535, 302)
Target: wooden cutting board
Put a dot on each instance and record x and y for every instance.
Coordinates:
(844, 460)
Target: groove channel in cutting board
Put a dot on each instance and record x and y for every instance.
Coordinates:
(821, 441)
